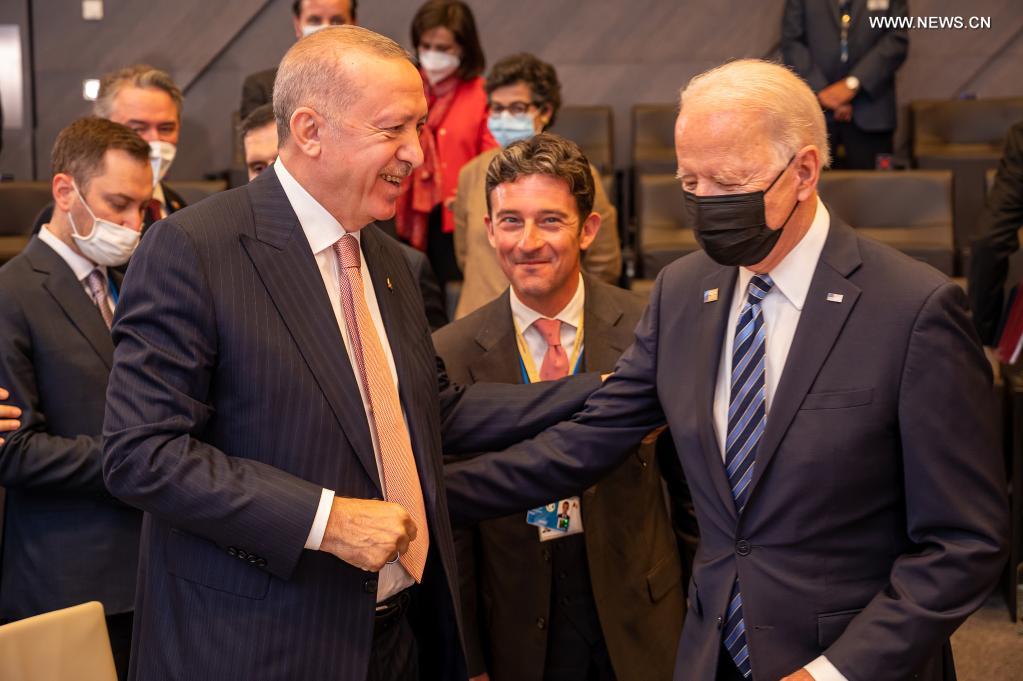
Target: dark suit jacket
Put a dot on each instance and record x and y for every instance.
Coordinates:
(174, 203)
(433, 298)
(1000, 225)
(66, 540)
(232, 403)
(811, 45)
(257, 89)
(876, 520)
(639, 601)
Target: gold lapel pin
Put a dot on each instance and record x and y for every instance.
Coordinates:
(710, 295)
(389, 286)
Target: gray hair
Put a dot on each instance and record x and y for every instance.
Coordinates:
(790, 108)
(311, 73)
(139, 75)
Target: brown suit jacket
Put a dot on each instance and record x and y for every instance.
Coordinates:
(483, 278)
(633, 557)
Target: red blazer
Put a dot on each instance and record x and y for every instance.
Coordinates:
(462, 136)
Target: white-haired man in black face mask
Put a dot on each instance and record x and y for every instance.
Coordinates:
(66, 540)
(829, 400)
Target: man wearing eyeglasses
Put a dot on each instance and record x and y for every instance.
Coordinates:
(851, 66)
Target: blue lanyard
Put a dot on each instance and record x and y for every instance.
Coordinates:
(525, 374)
(113, 289)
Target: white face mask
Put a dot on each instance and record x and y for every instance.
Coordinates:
(108, 244)
(309, 29)
(161, 155)
(438, 65)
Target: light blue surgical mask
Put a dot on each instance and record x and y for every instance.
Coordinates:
(507, 127)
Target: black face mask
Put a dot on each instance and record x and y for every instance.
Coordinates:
(732, 228)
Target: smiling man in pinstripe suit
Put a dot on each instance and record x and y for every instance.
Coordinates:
(277, 409)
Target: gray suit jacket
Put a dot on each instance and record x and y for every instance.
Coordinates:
(66, 540)
(810, 44)
(876, 521)
(232, 403)
(639, 600)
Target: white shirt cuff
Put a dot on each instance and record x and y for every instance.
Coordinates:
(821, 669)
(319, 527)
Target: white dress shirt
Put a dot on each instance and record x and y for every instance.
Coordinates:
(322, 231)
(570, 316)
(782, 308)
(159, 196)
(81, 266)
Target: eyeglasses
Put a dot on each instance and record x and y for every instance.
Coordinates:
(515, 108)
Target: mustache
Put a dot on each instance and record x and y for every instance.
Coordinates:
(402, 171)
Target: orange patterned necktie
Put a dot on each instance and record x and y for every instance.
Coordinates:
(400, 478)
(97, 284)
(555, 361)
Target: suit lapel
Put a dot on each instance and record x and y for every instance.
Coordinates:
(68, 293)
(604, 339)
(499, 361)
(712, 323)
(820, 323)
(284, 261)
(835, 13)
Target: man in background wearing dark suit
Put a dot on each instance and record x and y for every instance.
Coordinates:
(148, 101)
(1001, 222)
(277, 409)
(309, 16)
(555, 604)
(851, 65)
(259, 146)
(66, 540)
(829, 400)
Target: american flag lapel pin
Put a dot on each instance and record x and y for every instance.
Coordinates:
(710, 295)
(390, 287)
(835, 297)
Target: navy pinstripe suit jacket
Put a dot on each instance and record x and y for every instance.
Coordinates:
(232, 402)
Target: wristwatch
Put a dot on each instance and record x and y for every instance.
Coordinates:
(853, 83)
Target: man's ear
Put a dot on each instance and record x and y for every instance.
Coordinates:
(63, 191)
(589, 231)
(298, 27)
(490, 231)
(306, 128)
(808, 170)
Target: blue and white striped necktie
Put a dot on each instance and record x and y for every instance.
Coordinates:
(747, 417)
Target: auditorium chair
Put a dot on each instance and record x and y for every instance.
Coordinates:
(20, 203)
(909, 210)
(592, 128)
(662, 235)
(653, 138)
(194, 191)
(63, 645)
(966, 137)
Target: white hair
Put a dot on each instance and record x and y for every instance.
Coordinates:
(312, 72)
(788, 105)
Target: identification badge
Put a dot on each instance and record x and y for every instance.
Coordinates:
(558, 519)
(877, 5)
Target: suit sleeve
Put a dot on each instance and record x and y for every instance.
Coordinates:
(573, 455)
(683, 514)
(876, 69)
(1000, 225)
(603, 259)
(159, 408)
(956, 510)
(31, 457)
(794, 49)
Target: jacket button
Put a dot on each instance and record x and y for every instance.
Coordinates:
(261, 562)
(547, 555)
(541, 623)
(370, 586)
(253, 559)
(721, 623)
(742, 547)
(232, 551)
(243, 554)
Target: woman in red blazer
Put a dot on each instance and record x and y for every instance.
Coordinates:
(450, 61)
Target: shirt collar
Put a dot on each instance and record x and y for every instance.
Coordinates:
(159, 195)
(79, 264)
(321, 229)
(792, 276)
(571, 314)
